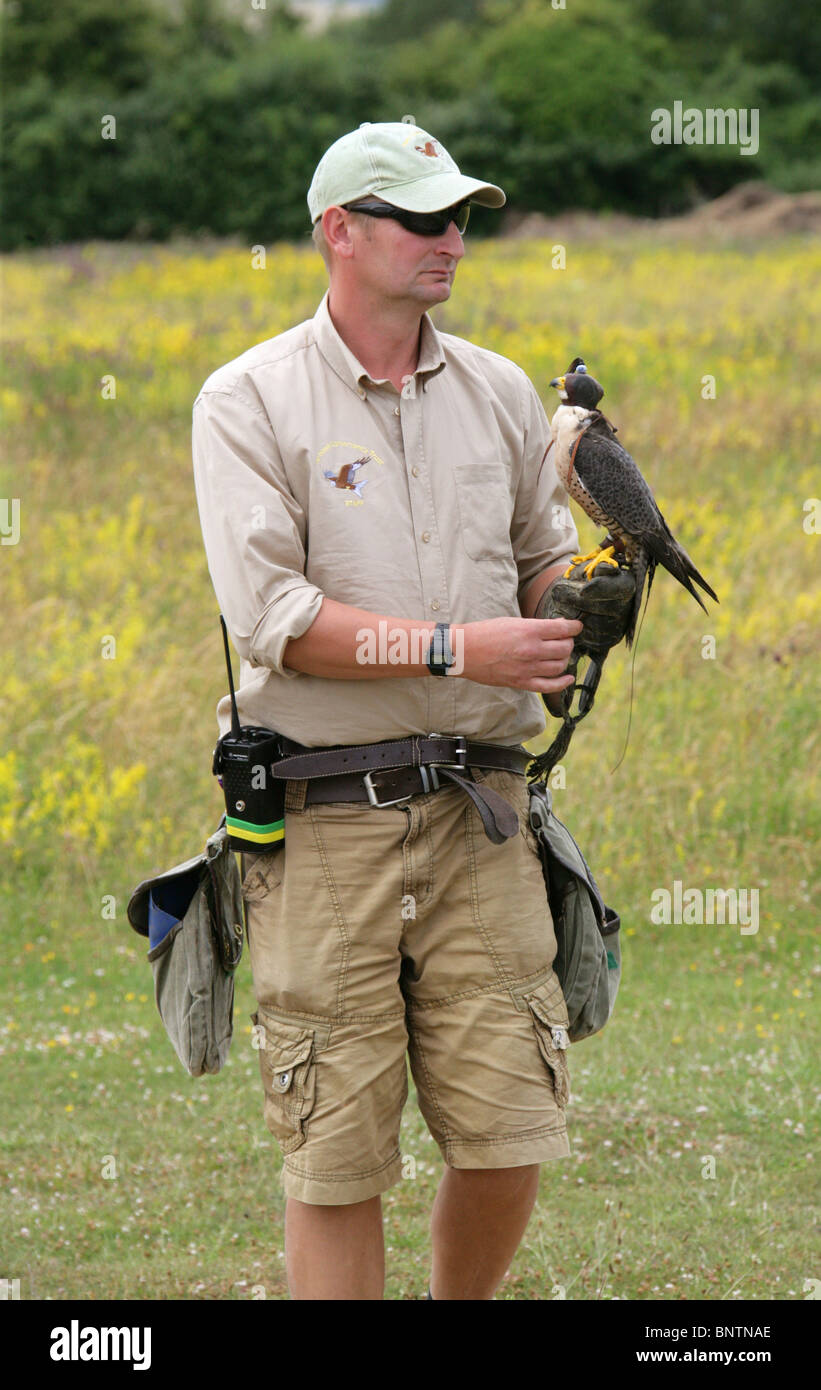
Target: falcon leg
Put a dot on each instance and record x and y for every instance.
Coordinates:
(579, 559)
(605, 557)
(600, 556)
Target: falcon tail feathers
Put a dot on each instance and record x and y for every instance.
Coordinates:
(669, 553)
(702, 582)
(682, 568)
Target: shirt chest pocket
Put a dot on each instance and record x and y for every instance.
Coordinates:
(485, 510)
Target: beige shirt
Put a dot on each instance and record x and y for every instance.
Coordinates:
(439, 503)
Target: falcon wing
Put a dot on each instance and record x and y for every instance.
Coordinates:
(613, 480)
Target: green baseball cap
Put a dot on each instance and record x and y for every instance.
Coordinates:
(398, 162)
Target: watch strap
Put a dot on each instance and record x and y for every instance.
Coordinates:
(440, 656)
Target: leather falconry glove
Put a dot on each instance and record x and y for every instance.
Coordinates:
(604, 605)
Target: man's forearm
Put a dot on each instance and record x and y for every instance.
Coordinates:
(347, 643)
(335, 646)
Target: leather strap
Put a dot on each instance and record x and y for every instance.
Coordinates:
(397, 785)
(417, 751)
(575, 448)
(499, 819)
(401, 768)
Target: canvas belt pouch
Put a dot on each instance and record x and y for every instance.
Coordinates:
(588, 959)
(192, 916)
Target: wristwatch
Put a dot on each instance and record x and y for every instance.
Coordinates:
(440, 656)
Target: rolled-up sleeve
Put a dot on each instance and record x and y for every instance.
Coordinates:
(542, 531)
(253, 528)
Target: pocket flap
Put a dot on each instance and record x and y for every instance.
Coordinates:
(286, 1046)
(552, 1021)
(263, 875)
(283, 1059)
(548, 1003)
(550, 1024)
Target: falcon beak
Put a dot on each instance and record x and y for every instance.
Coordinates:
(558, 382)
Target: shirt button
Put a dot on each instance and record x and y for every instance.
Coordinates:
(360, 391)
(415, 472)
(426, 535)
(396, 410)
(435, 605)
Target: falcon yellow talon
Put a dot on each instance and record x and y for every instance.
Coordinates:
(603, 557)
(579, 560)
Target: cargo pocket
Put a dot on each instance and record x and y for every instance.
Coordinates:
(286, 1059)
(261, 874)
(549, 1015)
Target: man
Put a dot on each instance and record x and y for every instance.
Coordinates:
(361, 478)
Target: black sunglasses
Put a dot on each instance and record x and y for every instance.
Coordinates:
(420, 223)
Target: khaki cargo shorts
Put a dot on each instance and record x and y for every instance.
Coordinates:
(381, 933)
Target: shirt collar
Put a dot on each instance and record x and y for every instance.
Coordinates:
(347, 366)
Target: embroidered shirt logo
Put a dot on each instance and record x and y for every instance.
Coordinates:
(346, 477)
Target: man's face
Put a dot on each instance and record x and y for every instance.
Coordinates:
(396, 264)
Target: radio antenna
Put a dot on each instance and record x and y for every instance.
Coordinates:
(235, 724)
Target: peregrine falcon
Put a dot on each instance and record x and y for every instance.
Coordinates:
(603, 478)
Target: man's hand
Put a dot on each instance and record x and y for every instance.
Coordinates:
(522, 653)
(603, 603)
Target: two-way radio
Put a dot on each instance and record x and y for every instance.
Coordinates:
(242, 763)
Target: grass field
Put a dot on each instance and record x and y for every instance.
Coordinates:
(123, 1177)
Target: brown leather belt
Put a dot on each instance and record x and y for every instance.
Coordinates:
(393, 771)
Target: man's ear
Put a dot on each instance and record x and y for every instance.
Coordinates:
(338, 229)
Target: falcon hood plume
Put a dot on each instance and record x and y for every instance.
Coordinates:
(605, 481)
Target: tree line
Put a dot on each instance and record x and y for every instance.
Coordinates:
(133, 120)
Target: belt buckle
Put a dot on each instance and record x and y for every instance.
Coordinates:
(461, 753)
(372, 790)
